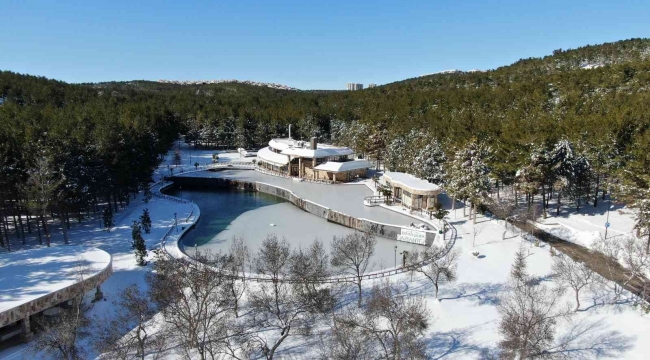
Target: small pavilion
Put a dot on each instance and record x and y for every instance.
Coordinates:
(410, 191)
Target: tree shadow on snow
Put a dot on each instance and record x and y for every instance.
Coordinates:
(592, 339)
(483, 293)
(457, 341)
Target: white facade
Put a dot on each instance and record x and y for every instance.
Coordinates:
(311, 160)
(355, 86)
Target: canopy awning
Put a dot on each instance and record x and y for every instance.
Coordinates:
(336, 167)
(273, 158)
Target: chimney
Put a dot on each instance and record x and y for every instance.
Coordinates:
(314, 143)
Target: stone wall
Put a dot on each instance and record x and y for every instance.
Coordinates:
(320, 175)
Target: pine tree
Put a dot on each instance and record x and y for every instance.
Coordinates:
(145, 220)
(468, 176)
(428, 163)
(138, 244)
(147, 195)
(107, 217)
(518, 271)
(136, 231)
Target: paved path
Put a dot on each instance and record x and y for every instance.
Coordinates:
(345, 198)
(599, 263)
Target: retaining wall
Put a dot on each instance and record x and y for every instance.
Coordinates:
(378, 229)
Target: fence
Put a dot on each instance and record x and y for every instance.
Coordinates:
(373, 199)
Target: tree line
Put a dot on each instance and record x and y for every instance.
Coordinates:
(66, 147)
(67, 151)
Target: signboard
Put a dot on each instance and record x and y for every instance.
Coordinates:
(412, 236)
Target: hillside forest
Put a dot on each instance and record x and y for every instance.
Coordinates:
(573, 125)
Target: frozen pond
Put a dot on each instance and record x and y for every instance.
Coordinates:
(346, 198)
(231, 213)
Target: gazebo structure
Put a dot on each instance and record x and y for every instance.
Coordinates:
(412, 192)
(311, 160)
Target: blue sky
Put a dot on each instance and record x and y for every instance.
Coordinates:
(305, 44)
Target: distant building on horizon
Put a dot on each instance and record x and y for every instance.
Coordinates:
(371, 85)
(354, 86)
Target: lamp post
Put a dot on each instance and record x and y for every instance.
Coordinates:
(395, 256)
(609, 205)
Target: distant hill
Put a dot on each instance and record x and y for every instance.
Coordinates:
(248, 82)
(591, 95)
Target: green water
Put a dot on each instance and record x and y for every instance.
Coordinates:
(218, 209)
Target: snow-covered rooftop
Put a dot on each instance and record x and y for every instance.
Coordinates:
(411, 183)
(293, 148)
(266, 154)
(30, 274)
(335, 166)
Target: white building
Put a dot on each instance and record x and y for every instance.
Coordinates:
(311, 160)
(410, 191)
(354, 86)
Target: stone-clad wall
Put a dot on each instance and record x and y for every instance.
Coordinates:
(55, 298)
(365, 225)
(375, 228)
(212, 182)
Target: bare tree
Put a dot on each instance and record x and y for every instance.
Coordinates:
(128, 334)
(239, 259)
(41, 189)
(503, 209)
(529, 314)
(308, 269)
(393, 322)
(278, 307)
(351, 255)
(630, 252)
(442, 264)
(59, 335)
(518, 272)
(572, 274)
(610, 249)
(196, 304)
(345, 342)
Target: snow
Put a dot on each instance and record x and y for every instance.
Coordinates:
(290, 147)
(30, 274)
(299, 228)
(464, 323)
(410, 182)
(347, 199)
(266, 154)
(591, 66)
(335, 166)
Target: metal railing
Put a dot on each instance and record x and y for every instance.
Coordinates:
(374, 199)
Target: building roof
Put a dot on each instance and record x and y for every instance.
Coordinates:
(336, 167)
(411, 183)
(266, 154)
(31, 275)
(291, 147)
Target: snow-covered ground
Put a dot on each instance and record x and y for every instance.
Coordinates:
(465, 320)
